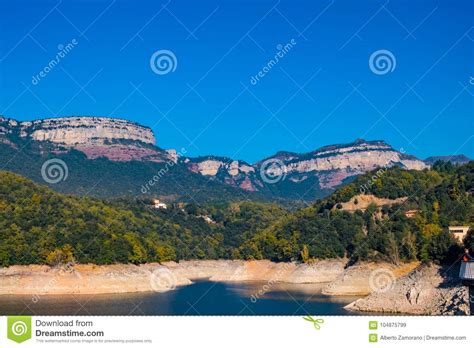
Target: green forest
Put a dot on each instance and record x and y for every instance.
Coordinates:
(40, 226)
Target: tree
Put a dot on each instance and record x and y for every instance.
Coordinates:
(431, 230)
(469, 240)
(60, 256)
(392, 249)
(409, 248)
(305, 254)
(442, 247)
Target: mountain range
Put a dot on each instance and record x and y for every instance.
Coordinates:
(455, 159)
(108, 157)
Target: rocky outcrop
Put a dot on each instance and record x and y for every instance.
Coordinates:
(329, 166)
(427, 290)
(362, 202)
(366, 277)
(358, 157)
(335, 163)
(286, 175)
(212, 166)
(455, 159)
(125, 152)
(232, 172)
(115, 139)
(85, 130)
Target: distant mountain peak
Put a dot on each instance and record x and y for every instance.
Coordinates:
(455, 159)
(113, 138)
(85, 130)
(322, 169)
(303, 176)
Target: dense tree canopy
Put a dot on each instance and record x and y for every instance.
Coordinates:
(38, 225)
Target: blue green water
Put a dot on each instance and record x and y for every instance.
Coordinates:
(199, 298)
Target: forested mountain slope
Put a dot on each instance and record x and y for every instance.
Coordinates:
(38, 225)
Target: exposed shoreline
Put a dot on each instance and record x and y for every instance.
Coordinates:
(94, 279)
(427, 290)
(412, 289)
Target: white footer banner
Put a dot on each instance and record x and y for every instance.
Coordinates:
(241, 331)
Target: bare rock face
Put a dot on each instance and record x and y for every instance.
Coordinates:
(362, 202)
(427, 290)
(285, 175)
(123, 152)
(366, 277)
(337, 162)
(85, 130)
(115, 139)
(232, 172)
(329, 165)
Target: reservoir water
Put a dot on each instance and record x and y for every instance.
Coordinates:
(199, 298)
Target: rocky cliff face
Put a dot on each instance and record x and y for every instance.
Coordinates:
(232, 172)
(287, 175)
(338, 162)
(115, 139)
(85, 130)
(427, 290)
(455, 159)
(327, 167)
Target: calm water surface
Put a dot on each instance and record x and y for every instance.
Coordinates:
(199, 298)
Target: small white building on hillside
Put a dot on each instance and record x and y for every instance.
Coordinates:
(459, 232)
(158, 205)
(208, 219)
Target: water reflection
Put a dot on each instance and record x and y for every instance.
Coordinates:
(199, 298)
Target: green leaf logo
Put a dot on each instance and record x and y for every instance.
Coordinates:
(316, 322)
(19, 328)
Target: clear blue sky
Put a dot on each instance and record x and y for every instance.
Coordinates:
(219, 45)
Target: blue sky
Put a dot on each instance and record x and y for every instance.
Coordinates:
(321, 91)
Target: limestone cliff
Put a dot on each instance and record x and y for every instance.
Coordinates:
(85, 130)
(115, 139)
(327, 167)
(232, 172)
(287, 175)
